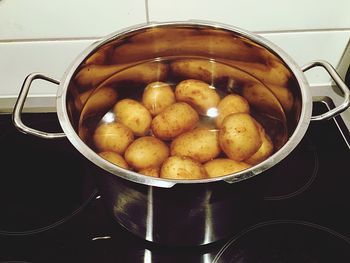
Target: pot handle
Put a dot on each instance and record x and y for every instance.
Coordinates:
(339, 82)
(17, 111)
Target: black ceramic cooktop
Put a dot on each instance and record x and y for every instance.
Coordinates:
(50, 210)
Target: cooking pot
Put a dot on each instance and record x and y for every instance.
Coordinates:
(182, 212)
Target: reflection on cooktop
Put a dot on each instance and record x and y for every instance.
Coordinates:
(97, 238)
(283, 183)
(43, 183)
(286, 241)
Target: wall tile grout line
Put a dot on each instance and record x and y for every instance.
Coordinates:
(95, 38)
(62, 39)
(147, 11)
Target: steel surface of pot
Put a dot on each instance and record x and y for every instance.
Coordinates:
(231, 60)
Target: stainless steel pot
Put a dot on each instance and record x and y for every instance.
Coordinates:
(183, 212)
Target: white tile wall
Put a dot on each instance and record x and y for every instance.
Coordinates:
(33, 19)
(18, 59)
(257, 15)
(306, 30)
(305, 47)
(46, 36)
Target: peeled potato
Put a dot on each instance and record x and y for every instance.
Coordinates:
(157, 96)
(221, 167)
(232, 103)
(114, 158)
(239, 136)
(174, 120)
(133, 115)
(200, 95)
(265, 149)
(146, 152)
(199, 144)
(153, 171)
(180, 167)
(112, 137)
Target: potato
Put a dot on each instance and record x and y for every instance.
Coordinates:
(200, 95)
(224, 166)
(180, 167)
(239, 136)
(157, 96)
(133, 115)
(112, 137)
(114, 158)
(200, 144)
(146, 152)
(174, 120)
(153, 171)
(265, 149)
(232, 103)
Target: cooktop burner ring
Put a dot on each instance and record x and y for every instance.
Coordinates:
(234, 242)
(307, 146)
(46, 183)
(53, 225)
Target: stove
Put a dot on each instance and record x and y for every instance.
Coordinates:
(51, 210)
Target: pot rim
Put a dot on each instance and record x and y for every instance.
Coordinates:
(278, 156)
